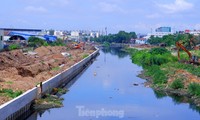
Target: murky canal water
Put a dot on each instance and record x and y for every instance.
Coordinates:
(105, 91)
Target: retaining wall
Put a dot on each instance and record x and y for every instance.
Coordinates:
(18, 106)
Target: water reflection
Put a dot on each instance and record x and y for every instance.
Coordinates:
(177, 99)
(118, 51)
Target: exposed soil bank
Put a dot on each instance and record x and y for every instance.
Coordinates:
(21, 71)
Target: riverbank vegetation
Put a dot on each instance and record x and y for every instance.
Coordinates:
(165, 72)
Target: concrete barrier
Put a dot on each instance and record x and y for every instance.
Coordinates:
(18, 106)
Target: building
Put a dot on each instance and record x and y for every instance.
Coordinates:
(6, 31)
(164, 29)
(161, 31)
(94, 34)
(193, 32)
(1, 40)
(24, 34)
(141, 41)
(75, 33)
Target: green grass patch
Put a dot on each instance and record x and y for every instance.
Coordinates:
(10, 93)
(56, 68)
(158, 76)
(13, 46)
(85, 55)
(9, 82)
(194, 89)
(177, 84)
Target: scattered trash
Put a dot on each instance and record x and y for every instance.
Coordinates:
(66, 54)
(62, 65)
(95, 73)
(135, 84)
(31, 53)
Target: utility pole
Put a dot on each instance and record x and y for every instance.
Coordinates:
(106, 30)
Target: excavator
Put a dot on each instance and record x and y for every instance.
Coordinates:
(79, 45)
(192, 58)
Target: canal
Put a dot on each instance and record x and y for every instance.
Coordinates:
(109, 89)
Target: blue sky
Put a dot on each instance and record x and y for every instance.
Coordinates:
(129, 15)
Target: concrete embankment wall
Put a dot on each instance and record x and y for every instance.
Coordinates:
(18, 106)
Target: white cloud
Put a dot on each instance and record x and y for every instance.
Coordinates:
(107, 7)
(177, 6)
(36, 9)
(59, 2)
(152, 16)
(197, 26)
(48, 2)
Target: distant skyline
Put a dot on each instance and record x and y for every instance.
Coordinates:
(130, 15)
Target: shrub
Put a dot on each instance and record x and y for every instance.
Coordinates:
(161, 51)
(36, 42)
(85, 55)
(10, 93)
(58, 42)
(13, 47)
(194, 89)
(145, 58)
(106, 44)
(177, 84)
(45, 44)
(158, 75)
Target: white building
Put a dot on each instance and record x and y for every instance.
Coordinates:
(141, 41)
(161, 34)
(195, 32)
(75, 33)
(94, 34)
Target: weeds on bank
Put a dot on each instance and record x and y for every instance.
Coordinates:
(56, 68)
(10, 93)
(177, 84)
(85, 55)
(160, 64)
(194, 89)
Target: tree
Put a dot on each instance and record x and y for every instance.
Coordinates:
(155, 40)
(120, 37)
(133, 35)
(169, 40)
(36, 42)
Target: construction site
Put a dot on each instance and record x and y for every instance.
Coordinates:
(21, 71)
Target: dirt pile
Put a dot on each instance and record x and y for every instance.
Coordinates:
(186, 76)
(14, 59)
(22, 71)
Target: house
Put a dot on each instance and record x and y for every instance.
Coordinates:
(141, 41)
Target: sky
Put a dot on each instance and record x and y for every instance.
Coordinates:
(140, 16)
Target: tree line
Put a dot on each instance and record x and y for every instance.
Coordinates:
(170, 40)
(120, 37)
